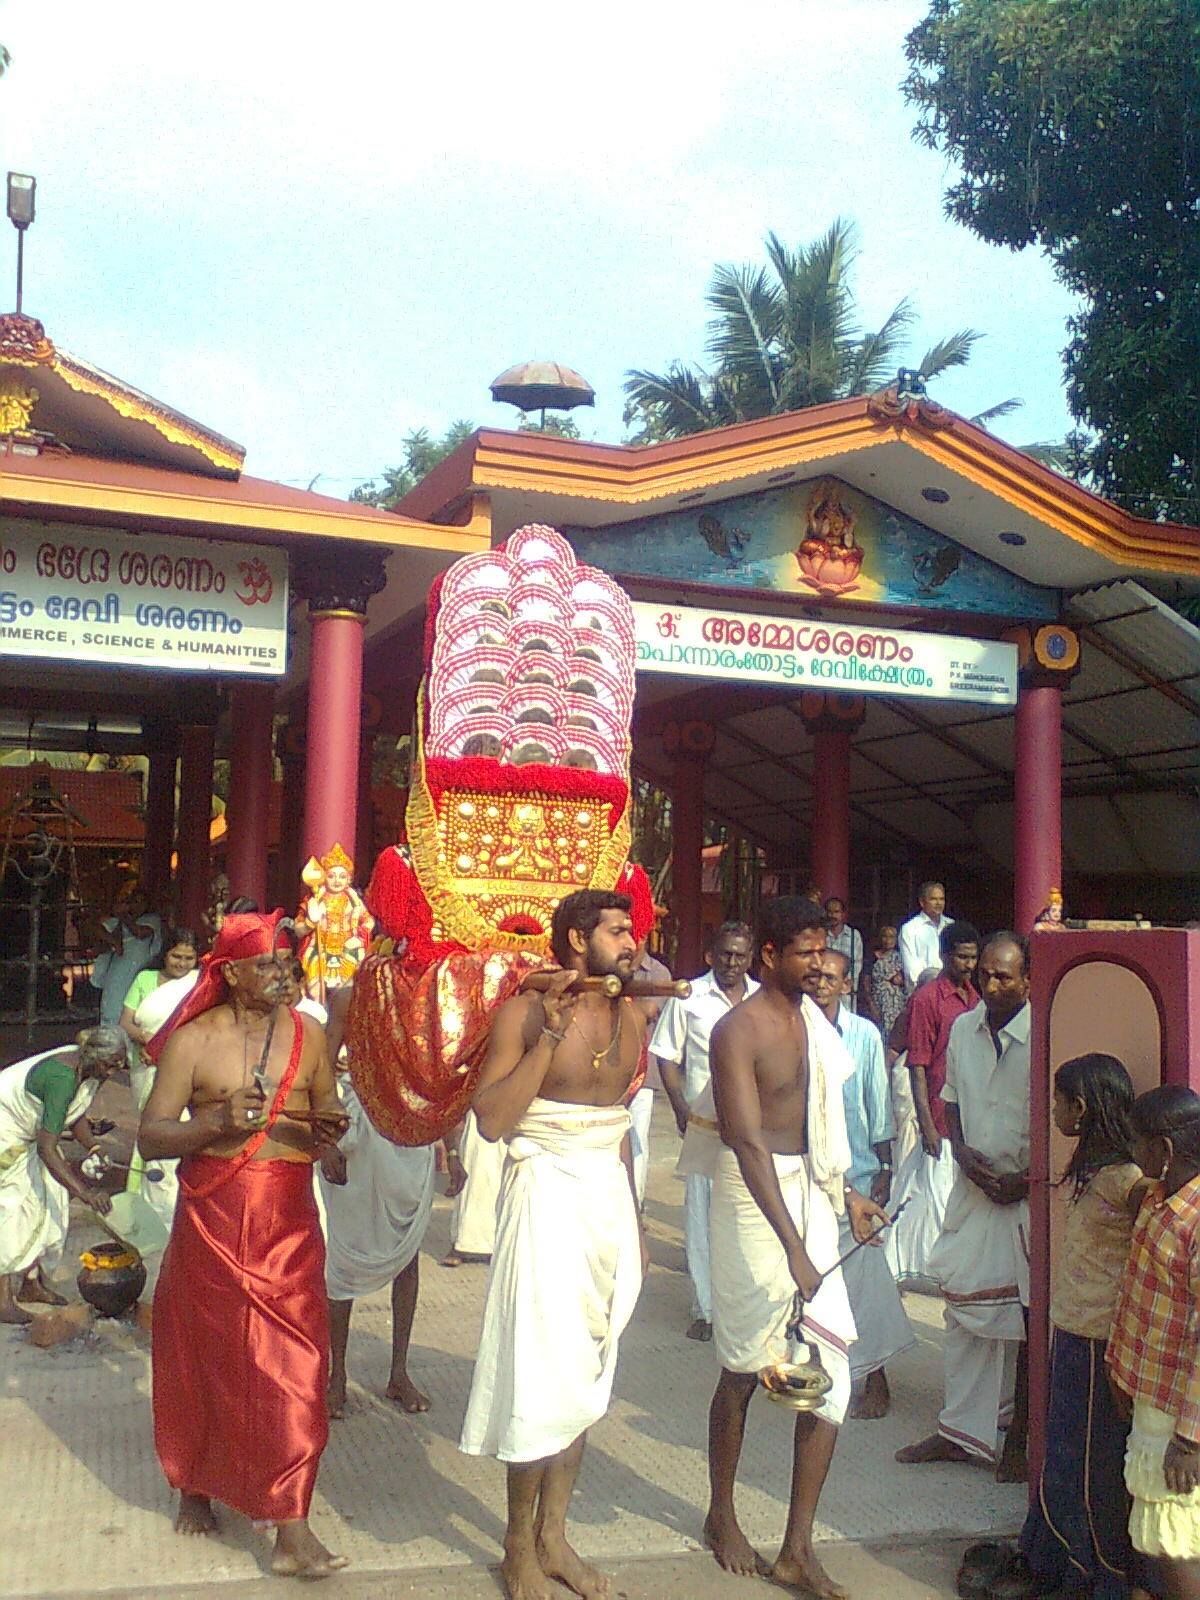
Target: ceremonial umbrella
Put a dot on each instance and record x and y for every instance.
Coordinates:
(542, 386)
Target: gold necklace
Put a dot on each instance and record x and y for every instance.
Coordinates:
(598, 1056)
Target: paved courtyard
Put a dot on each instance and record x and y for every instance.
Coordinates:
(84, 1511)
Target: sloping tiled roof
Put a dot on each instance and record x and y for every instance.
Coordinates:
(107, 803)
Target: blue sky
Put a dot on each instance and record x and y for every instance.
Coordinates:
(315, 227)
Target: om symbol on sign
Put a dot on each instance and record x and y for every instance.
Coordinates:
(258, 581)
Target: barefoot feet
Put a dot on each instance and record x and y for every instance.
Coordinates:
(873, 1400)
(804, 1573)
(300, 1554)
(335, 1397)
(731, 1547)
(557, 1560)
(405, 1393)
(701, 1329)
(935, 1448)
(195, 1515)
(523, 1575)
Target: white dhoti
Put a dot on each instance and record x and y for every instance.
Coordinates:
(883, 1329)
(641, 1113)
(35, 1209)
(696, 1207)
(154, 1010)
(923, 1185)
(473, 1225)
(752, 1288)
(904, 1112)
(981, 1263)
(565, 1277)
(376, 1220)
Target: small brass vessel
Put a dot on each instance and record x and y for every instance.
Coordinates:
(802, 1384)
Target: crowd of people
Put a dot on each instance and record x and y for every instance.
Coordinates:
(854, 1121)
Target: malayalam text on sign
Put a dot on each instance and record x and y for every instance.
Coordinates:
(739, 647)
(189, 605)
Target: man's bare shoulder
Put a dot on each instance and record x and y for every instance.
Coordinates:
(745, 1023)
(209, 1025)
(521, 1010)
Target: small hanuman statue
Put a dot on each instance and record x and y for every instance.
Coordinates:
(335, 923)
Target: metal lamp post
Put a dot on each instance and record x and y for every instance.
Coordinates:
(22, 192)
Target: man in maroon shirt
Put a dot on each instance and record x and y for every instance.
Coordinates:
(932, 1012)
(926, 1175)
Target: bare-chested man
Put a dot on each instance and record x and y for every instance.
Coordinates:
(241, 1332)
(779, 1185)
(568, 1262)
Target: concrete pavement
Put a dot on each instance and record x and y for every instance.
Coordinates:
(84, 1511)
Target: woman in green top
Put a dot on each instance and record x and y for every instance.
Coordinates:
(141, 1016)
(40, 1099)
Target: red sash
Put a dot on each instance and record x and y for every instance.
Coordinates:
(254, 1144)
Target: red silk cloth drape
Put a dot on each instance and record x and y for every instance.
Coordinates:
(417, 1037)
(241, 1339)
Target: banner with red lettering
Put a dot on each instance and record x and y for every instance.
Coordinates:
(190, 605)
(741, 647)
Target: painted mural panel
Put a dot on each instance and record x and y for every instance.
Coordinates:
(821, 539)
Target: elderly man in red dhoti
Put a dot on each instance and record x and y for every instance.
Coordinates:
(241, 1336)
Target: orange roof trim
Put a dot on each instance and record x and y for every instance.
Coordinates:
(635, 475)
(24, 345)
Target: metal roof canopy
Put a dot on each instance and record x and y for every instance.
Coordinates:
(936, 774)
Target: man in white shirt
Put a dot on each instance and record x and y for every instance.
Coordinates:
(883, 1328)
(982, 1258)
(848, 941)
(680, 1046)
(920, 937)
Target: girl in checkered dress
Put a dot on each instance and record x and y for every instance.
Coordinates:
(1154, 1352)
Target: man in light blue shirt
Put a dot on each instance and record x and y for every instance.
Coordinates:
(883, 1327)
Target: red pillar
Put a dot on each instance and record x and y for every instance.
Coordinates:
(831, 813)
(831, 719)
(195, 818)
(251, 769)
(687, 864)
(689, 745)
(160, 826)
(1037, 808)
(337, 582)
(334, 717)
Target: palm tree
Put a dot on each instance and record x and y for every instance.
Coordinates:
(784, 336)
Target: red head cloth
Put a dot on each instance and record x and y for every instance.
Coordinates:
(243, 934)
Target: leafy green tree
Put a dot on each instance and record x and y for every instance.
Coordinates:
(783, 336)
(557, 427)
(1076, 127)
(422, 453)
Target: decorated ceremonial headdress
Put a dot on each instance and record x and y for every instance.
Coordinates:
(519, 796)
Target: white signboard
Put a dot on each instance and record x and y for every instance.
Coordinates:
(734, 646)
(189, 605)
